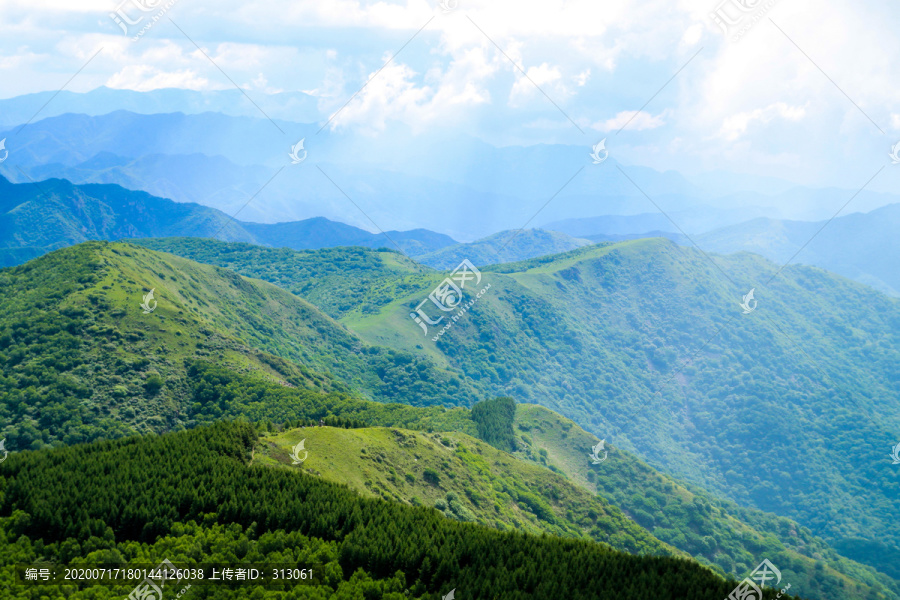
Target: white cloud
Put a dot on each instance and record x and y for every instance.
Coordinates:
(395, 94)
(594, 59)
(545, 77)
(143, 78)
(582, 78)
(736, 125)
(631, 120)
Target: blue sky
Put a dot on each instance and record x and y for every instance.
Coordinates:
(808, 94)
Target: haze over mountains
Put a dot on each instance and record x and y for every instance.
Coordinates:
(396, 178)
(39, 217)
(43, 216)
(640, 341)
(861, 246)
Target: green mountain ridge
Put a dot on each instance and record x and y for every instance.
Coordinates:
(502, 247)
(645, 344)
(191, 497)
(463, 477)
(157, 375)
(74, 340)
(694, 522)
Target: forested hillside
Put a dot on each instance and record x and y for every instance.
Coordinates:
(336, 280)
(191, 497)
(80, 358)
(716, 531)
(645, 344)
(708, 529)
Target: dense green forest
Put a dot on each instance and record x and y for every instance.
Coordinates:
(191, 497)
(494, 420)
(644, 344)
(717, 532)
(79, 359)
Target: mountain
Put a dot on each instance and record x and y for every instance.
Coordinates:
(242, 164)
(726, 533)
(692, 221)
(104, 100)
(397, 178)
(109, 367)
(192, 498)
(319, 232)
(503, 247)
(861, 246)
(462, 477)
(624, 237)
(644, 343)
(220, 347)
(38, 217)
(468, 480)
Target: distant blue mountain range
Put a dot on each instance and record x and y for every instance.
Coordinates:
(460, 186)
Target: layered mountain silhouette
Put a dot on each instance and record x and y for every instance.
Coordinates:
(42, 216)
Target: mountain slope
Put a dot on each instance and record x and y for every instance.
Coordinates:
(717, 533)
(470, 481)
(319, 232)
(81, 359)
(726, 535)
(861, 246)
(463, 477)
(503, 247)
(58, 503)
(38, 217)
(336, 280)
(645, 344)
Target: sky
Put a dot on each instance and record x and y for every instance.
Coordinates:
(801, 90)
